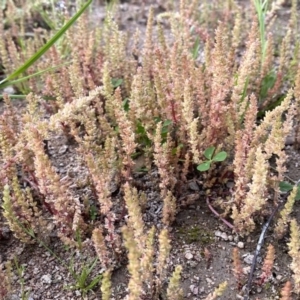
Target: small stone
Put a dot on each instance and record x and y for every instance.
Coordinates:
(259, 289)
(218, 233)
(9, 90)
(249, 259)
(196, 291)
(246, 270)
(46, 279)
(230, 238)
(224, 236)
(193, 186)
(240, 245)
(279, 277)
(63, 149)
(189, 255)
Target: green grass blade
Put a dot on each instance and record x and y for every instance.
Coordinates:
(14, 96)
(47, 46)
(12, 82)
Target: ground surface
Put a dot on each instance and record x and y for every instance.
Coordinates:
(202, 243)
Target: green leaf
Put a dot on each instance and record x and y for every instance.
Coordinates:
(298, 193)
(285, 186)
(94, 282)
(157, 119)
(196, 48)
(208, 153)
(176, 149)
(221, 156)
(47, 46)
(204, 166)
(244, 93)
(125, 104)
(267, 83)
(92, 266)
(167, 123)
(116, 82)
(19, 80)
(164, 131)
(140, 129)
(82, 277)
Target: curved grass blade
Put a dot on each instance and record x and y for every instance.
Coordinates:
(47, 46)
(12, 82)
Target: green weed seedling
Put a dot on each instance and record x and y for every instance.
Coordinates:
(212, 157)
(261, 7)
(20, 272)
(82, 279)
(267, 83)
(116, 82)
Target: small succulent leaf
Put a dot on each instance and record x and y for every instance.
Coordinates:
(116, 82)
(208, 153)
(164, 130)
(167, 123)
(140, 129)
(125, 104)
(204, 166)
(285, 186)
(267, 83)
(221, 156)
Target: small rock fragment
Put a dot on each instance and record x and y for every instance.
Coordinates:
(209, 281)
(194, 289)
(218, 233)
(240, 245)
(188, 255)
(224, 236)
(246, 270)
(46, 279)
(193, 186)
(249, 259)
(63, 149)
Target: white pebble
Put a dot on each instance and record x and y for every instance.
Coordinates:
(240, 245)
(188, 255)
(46, 279)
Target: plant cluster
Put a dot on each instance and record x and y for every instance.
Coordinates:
(184, 104)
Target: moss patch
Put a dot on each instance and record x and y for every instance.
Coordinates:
(193, 234)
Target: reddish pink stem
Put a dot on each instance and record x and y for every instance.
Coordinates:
(218, 215)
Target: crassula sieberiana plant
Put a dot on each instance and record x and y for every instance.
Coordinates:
(167, 100)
